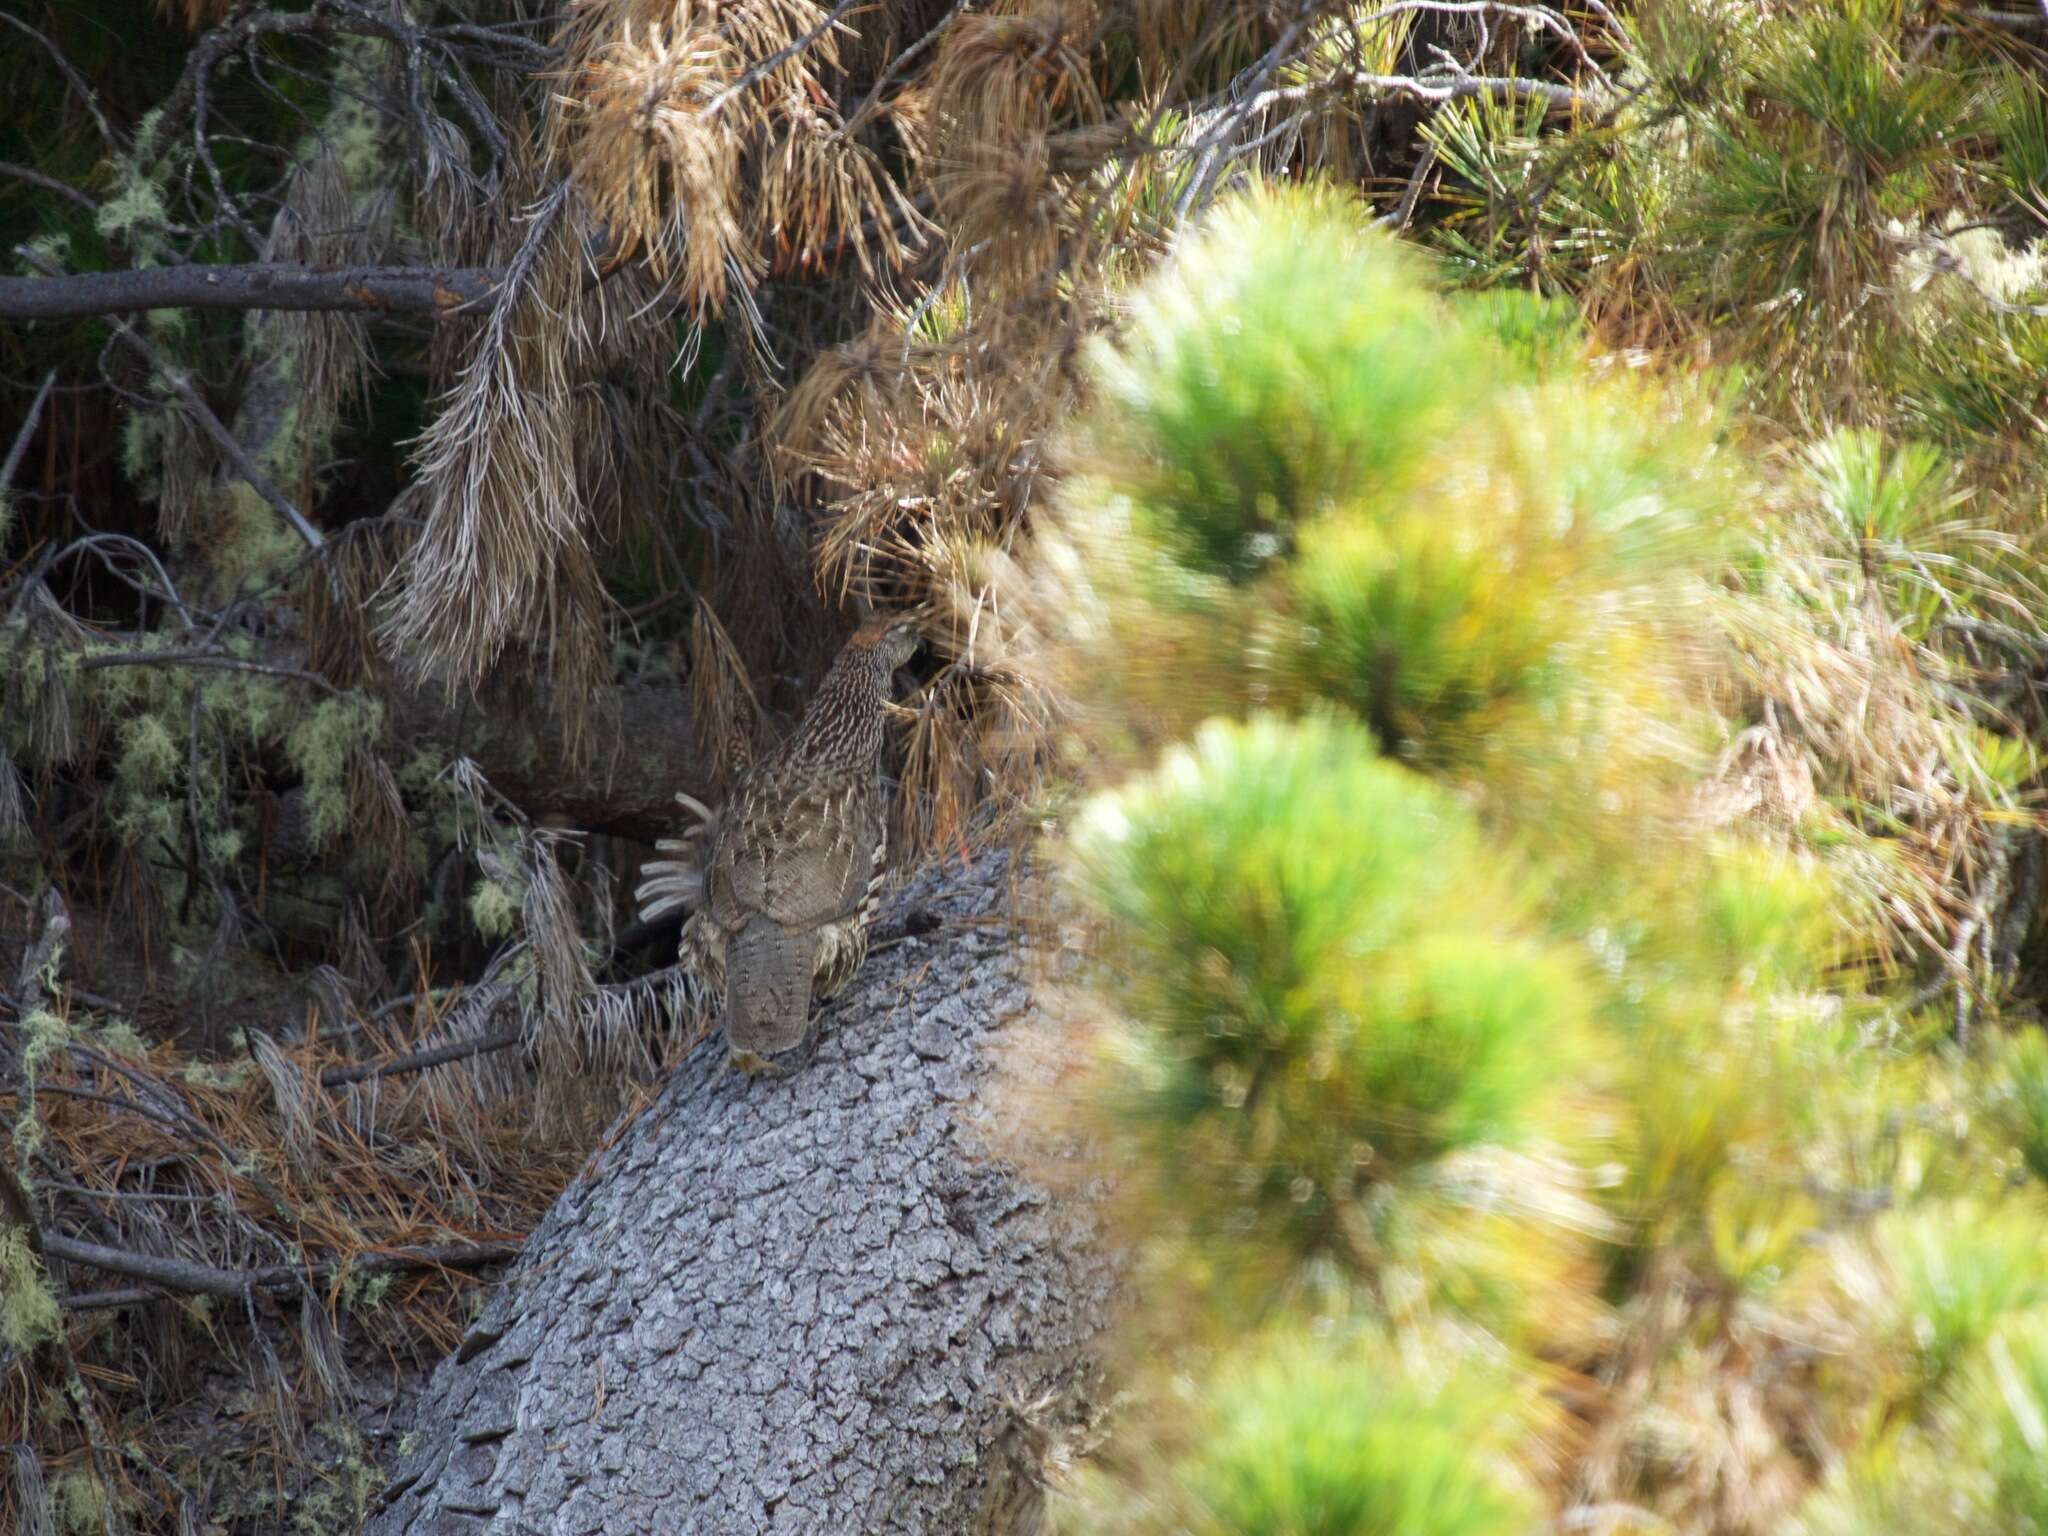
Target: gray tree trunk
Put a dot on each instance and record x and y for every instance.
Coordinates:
(815, 1303)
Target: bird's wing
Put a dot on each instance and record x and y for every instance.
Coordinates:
(803, 858)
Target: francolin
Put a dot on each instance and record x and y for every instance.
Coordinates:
(786, 875)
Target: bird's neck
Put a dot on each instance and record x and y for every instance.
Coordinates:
(844, 723)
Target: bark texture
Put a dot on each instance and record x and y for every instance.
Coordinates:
(813, 1303)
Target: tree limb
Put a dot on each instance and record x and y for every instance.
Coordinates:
(185, 1276)
(181, 386)
(522, 748)
(36, 178)
(219, 659)
(435, 291)
(87, 97)
(803, 1303)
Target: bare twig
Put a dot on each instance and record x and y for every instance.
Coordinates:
(93, 1301)
(167, 123)
(419, 1061)
(500, 36)
(218, 659)
(83, 91)
(1437, 88)
(765, 67)
(28, 430)
(1543, 18)
(34, 178)
(2012, 640)
(856, 119)
(104, 545)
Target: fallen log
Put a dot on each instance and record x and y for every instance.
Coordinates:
(816, 1302)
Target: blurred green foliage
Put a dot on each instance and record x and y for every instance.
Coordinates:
(1439, 1012)
(1330, 990)
(1409, 506)
(1242, 410)
(1352, 1440)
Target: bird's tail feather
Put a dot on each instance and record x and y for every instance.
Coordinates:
(767, 986)
(669, 885)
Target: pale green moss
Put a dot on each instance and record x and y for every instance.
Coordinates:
(252, 707)
(321, 746)
(40, 719)
(145, 775)
(51, 250)
(117, 1037)
(366, 1293)
(80, 1503)
(356, 130)
(282, 455)
(140, 438)
(43, 1034)
(28, 1312)
(494, 909)
(150, 758)
(28, 1137)
(255, 540)
(168, 324)
(134, 214)
(137, 201)
(352, 1481)
(227, 1077)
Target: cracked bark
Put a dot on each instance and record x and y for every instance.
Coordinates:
(815, 1303)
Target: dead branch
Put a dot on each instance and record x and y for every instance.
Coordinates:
(62, 189)
(1436, 88)
(99, 1301)
(420, 1061)
(188, 1278)
(440, 292)
(338, 17)
(629, 789)
(181, 386)
(219, 659)
(87, 96)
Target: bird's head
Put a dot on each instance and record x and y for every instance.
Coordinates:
(891, 638)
